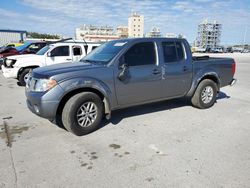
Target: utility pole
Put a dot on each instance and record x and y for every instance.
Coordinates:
(244, 39)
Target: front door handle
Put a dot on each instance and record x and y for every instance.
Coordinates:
(156, 71)
(68, 59)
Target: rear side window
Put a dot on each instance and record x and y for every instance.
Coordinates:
(94, 47)
(172, 51)
(141, 54)
(60, 51)
(77, 50)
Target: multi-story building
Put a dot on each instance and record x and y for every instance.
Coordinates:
(135, 25)
(10, 36)
(96, 34)
(155, 32)
(171, 35)
(122, 31)
(209, 34)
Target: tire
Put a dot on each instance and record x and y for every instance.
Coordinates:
(22, 76)
(76, 118)
(205, 94)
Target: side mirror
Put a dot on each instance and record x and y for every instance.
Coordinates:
(49, 54)
(124, 74)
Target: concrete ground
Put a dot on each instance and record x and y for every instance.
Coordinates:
(166, 144)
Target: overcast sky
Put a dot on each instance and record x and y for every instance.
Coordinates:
(63, 16)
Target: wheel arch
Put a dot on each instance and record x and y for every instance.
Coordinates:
(210, 75)
(75, 91)
(23, 68)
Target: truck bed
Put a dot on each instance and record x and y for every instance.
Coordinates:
(223, 66)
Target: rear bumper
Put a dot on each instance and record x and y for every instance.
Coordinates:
(10, 72)
(233, 82)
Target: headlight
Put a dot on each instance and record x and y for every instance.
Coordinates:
(41, 85)
(10, 62)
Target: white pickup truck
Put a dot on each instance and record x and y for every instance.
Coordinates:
(19, 66)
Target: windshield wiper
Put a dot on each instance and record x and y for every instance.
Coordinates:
(88, 61)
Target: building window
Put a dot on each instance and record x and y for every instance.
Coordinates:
(138, 25)
(138, 29)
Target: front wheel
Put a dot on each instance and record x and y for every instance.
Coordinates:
(205, 94)
(23, 77)
(82, 114)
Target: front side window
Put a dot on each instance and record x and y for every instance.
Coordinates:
(60, 51)
(140, 54)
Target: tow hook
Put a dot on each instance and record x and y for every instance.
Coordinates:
(233, 82)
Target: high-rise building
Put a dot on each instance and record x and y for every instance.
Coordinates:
(154, 33)
(122, 31)
(209, 34)
(95, 33)
(136, 25)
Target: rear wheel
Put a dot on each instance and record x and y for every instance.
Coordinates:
(205, 94)
(82, 114)
(23, 77)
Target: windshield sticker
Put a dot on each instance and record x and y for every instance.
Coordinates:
(120, 43)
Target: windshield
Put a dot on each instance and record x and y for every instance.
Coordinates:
(43, 50)
(22, 47)
(105, 52)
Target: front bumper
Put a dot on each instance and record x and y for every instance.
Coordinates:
(10, 72)
(44, 104)
(1, 63)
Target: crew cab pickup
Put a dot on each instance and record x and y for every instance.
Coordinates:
(19, 66)
(124, 73)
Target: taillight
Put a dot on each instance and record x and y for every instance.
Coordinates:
(233, 67)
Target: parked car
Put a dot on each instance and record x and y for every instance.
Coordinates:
(216, 50)
(11, 45)
(26, 48)
(19, 66)
(245, 51)
(125, 73)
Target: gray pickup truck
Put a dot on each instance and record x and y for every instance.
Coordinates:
(124, 73)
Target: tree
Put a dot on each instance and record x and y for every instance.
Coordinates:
(42, 35)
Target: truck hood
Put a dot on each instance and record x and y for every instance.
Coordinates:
(27, 60)
(24, 56)
(63, 68)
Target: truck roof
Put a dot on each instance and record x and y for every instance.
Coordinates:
(150, 39)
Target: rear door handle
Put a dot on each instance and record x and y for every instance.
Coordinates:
(156, 71)
(185, 68)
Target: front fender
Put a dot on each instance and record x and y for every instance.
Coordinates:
(88, 83)
(209, 73)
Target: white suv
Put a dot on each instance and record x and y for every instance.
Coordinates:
(19, 66)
